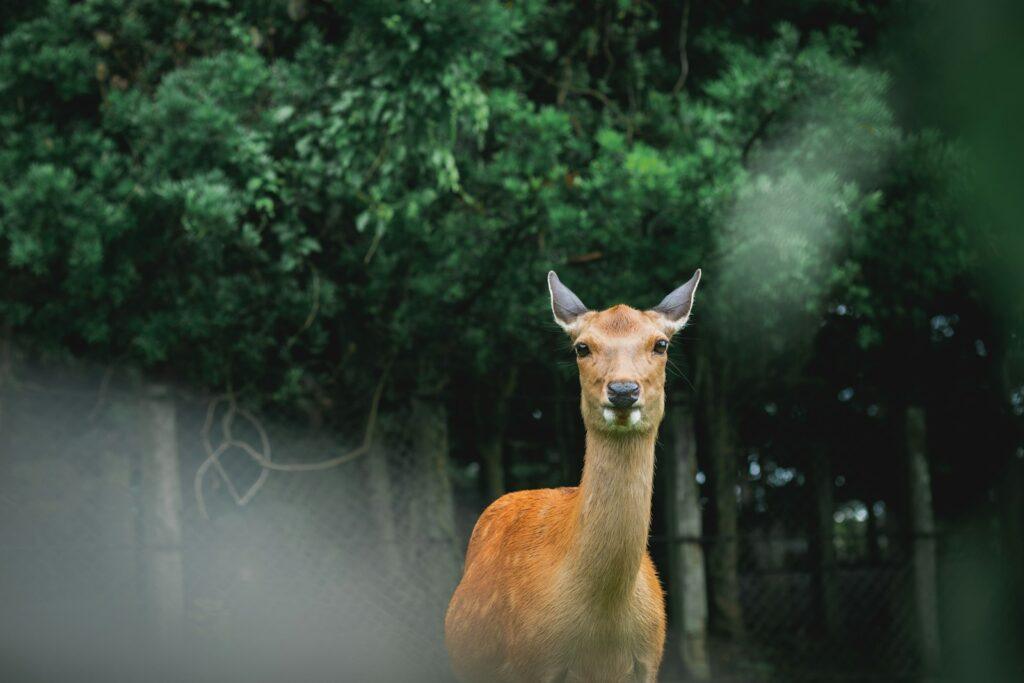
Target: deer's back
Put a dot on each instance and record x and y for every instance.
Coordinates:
(514, 546)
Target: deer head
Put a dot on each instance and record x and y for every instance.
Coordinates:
(621, 353)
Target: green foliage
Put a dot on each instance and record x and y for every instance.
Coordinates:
(282, 198)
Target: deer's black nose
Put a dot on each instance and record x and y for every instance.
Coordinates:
(623, 394)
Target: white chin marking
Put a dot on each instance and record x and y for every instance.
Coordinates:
(612, 417)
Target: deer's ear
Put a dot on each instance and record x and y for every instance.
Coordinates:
(675, 308)
(566, 306)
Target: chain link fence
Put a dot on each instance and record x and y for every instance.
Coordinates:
(145, 530)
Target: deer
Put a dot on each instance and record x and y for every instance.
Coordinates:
(557, 584)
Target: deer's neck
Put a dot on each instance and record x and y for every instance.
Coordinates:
(613, 515)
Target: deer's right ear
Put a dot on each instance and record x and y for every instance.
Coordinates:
(675, 308)
(566, 306)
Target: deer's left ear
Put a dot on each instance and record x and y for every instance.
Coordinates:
(674, 309)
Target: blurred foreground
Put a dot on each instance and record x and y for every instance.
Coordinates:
(112, 571)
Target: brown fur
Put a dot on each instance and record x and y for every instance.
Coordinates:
(558, 584)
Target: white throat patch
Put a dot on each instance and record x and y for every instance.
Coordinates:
(609, 416)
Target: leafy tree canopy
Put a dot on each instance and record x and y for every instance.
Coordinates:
(284, 197)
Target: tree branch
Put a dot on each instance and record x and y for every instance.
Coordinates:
(756, 135)
(684, 61)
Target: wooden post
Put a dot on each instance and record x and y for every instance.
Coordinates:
(689, 601)
(160, 525)
(922, 527)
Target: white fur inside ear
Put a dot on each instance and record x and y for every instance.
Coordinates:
(674, 326)
(570, 328)
(675, 308)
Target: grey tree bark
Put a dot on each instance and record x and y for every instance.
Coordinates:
(718, 445)
(427, 515)
(160, 523)
(922, 525)
(689, 600)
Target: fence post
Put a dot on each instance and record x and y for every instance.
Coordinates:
(689, 602)
(160, 524)
(922, 527)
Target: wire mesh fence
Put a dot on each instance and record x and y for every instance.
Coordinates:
(220, 568)
(812, 604)
(785, 635)
(144, 530)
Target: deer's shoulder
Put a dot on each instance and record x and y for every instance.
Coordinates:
(508, 517)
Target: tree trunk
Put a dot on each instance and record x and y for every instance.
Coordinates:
(160, 525)
(689, 601)
(492, 455)
(428, 509)
(823, 545)
(567, 423)
(492, 420)
(922, 526)
(718, 446)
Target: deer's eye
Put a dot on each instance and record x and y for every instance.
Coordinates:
(660, 346)
(582, 350)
